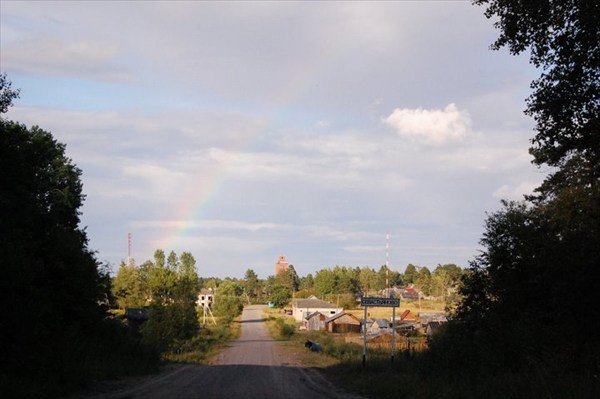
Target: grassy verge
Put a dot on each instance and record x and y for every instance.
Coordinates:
(205, 345)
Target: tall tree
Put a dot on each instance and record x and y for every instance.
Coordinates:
(423, 280)
(410, 274)
(127, 287)
(291, 279)
(516, 292)
(161, 280)
(367, 278)
(53, 290)
(562, 39)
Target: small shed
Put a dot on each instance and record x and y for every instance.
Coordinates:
(379, 325)
(342, 323)
(315, 321)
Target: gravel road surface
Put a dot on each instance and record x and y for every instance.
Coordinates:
(254, 366)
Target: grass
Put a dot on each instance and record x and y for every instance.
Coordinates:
(205, 345)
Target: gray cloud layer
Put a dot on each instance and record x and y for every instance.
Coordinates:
(243, 131)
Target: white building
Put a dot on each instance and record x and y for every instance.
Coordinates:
(206, 297)
(302, 307)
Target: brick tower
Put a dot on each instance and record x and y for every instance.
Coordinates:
(281, 265)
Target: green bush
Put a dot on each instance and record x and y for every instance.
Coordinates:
(227, 308)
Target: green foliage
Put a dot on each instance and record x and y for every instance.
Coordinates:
(410, 274)
(251, 285)
(339, 280)
(168, 324)
(230, 288)
(7, 94)
(562, 39)
(280, 296)
(423, 280)
(127, 287)
(227, 308)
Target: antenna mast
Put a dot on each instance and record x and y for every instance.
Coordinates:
(387, 263)
(128, 249)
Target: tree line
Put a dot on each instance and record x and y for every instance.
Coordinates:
(344, 283)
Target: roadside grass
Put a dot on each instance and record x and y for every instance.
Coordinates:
(205, 345)
(281, 327)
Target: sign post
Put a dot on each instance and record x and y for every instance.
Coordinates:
(378, 302)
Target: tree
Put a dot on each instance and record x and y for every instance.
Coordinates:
(326, 282)
(173, 288)
(423, 280)
(291, 279)
(53, 289)
(251, 284)
(228, 303)
(562, 37)
(7, 95)
(367, 278)
(187, 279)
(280, 296)
(230, 288)
(127, 287)
(410, 274)
(161, 280)
(173, 262)
(516, 300)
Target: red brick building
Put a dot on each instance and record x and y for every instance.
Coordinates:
(281, 265)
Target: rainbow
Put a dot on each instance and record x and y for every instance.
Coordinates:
(201, 194)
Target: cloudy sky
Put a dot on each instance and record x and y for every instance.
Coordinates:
(242, 131)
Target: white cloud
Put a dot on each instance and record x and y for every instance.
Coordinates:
(431, 127)
(52, 56)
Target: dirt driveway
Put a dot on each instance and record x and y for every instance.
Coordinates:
(254, 366)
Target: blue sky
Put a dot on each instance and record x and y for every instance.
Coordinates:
(242, 131)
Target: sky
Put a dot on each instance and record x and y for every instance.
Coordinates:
(333, 133)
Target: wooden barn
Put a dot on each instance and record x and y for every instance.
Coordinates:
(342, 323)
(315, 321)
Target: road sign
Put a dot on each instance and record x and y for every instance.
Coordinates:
(380, 302)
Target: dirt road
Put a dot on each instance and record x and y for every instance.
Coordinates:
(254, 366)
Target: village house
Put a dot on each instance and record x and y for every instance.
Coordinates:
(342, 323)
(302, 307)
(410, 294)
